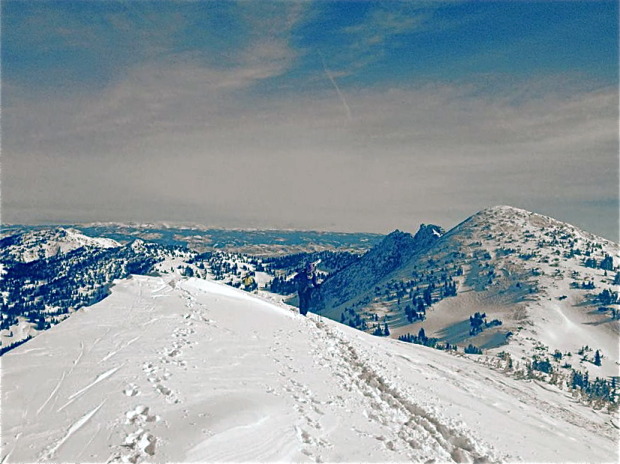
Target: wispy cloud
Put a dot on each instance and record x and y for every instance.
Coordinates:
(389, 20)
(149, 95)
(409, 151)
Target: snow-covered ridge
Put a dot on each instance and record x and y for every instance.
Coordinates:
(190, 371)
(508, 216)
(40, 244)
(389, 255)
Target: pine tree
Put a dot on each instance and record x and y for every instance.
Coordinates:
(386, 330)
(597, 358)
(422, 336)
(607, 263)
(471, 349)
(428, 296)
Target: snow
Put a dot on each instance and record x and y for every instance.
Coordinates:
(20, 331)
(188, 370)
(38, 244)
(176, 265)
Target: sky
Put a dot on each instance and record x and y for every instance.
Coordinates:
(345, 116)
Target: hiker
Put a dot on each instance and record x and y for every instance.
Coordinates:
(306, 280)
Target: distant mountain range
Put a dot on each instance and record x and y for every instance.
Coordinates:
(201, 239)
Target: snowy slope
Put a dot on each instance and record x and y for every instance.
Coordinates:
(191, 370)
(45, 279)
(527, 270)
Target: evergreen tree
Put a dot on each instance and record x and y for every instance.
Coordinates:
(597, 358)
(476, 323)
(40, 323)
(422, 336)
(607, 263)
(590, 262)
(428, 296)
(471, 349)
(608, 297)
(542, 365)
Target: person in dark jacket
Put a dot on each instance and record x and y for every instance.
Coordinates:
(306, 281)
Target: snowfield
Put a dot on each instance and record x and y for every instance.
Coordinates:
(171, 370)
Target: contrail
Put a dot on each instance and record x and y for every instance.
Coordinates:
(340, 95)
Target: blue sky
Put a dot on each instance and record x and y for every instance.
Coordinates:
(317, 115)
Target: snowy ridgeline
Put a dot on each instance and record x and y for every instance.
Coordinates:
(187, 370)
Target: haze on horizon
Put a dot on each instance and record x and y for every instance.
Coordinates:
(348, 116)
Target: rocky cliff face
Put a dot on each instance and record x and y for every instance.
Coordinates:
(393, 252)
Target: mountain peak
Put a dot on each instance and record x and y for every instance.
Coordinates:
(503, 210)
(398, 234)
(428, 231)
(504, 218)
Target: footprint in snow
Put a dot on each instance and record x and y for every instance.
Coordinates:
(142, 442)
(131, 390)
(149, 368)
(168, 394)
(140, 415)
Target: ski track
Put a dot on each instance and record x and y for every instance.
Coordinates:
(77, 360)
(74, 428)
(92, 438)
(25, 351)
(52, 393)
(99, 378)
(99, 339)
(401, 425)
(6, 457)
(64, 375)
(112, 353)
